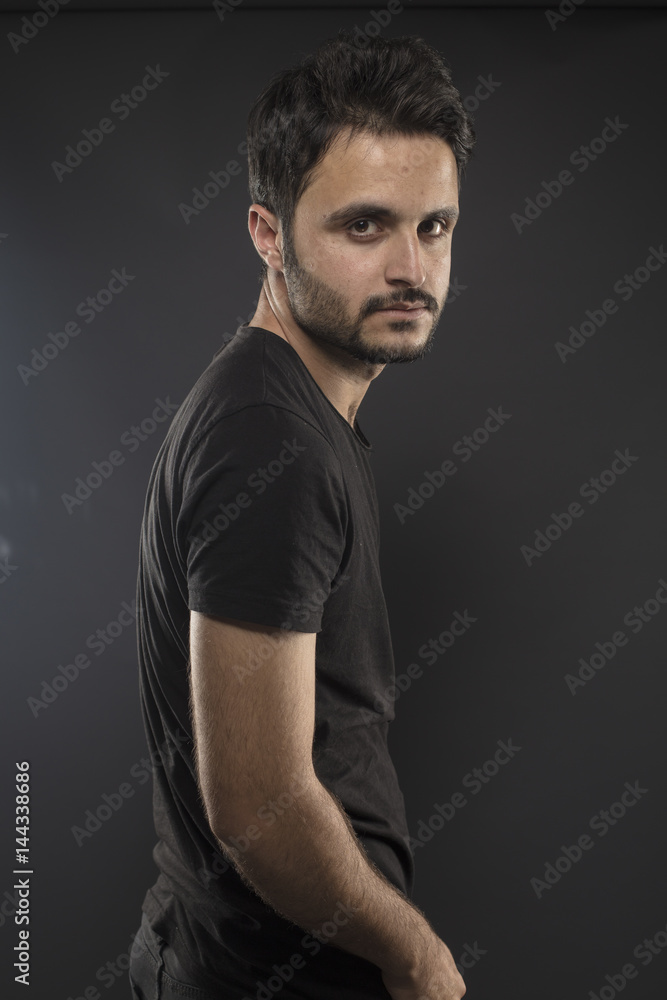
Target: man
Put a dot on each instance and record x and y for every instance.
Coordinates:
(284, 857)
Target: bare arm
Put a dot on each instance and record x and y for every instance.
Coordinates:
(253, 703)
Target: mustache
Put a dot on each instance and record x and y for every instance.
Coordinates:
(413, 299)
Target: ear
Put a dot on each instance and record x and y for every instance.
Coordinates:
(265, 232)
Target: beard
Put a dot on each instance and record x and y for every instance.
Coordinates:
(322, 313)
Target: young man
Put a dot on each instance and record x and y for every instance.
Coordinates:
(284, 858)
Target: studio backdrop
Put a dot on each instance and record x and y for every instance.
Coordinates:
(520, 469)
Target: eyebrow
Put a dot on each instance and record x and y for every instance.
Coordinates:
(364, 209)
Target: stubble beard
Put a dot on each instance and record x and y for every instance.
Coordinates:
(321, 312)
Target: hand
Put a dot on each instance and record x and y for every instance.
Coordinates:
(436, 978)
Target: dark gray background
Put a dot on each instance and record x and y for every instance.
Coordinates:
(495, 347)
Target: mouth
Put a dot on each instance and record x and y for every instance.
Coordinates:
(409, 311)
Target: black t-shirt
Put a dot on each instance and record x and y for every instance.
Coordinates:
(261, 506)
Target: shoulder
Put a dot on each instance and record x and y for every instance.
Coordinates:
(258, 387)
(266, 439)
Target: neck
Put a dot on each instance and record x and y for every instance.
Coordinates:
(342, 378)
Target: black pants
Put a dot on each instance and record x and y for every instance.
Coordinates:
(155, 972)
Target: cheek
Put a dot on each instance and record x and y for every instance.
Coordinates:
(444, 270)
(345, 272)
(319, 257)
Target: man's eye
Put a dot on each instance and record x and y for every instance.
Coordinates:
(442, 223)
(361, 222)
(437, 222)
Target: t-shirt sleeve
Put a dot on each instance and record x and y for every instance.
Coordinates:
(263, 519)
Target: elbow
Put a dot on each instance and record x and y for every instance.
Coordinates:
(239, 820)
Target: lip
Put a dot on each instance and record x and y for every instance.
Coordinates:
(413, 312)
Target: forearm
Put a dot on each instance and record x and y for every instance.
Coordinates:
(308, 862)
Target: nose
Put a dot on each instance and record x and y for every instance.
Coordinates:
(404, 260)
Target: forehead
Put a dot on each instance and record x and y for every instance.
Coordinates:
(407, 171)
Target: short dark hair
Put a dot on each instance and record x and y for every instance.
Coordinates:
(388, 86)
